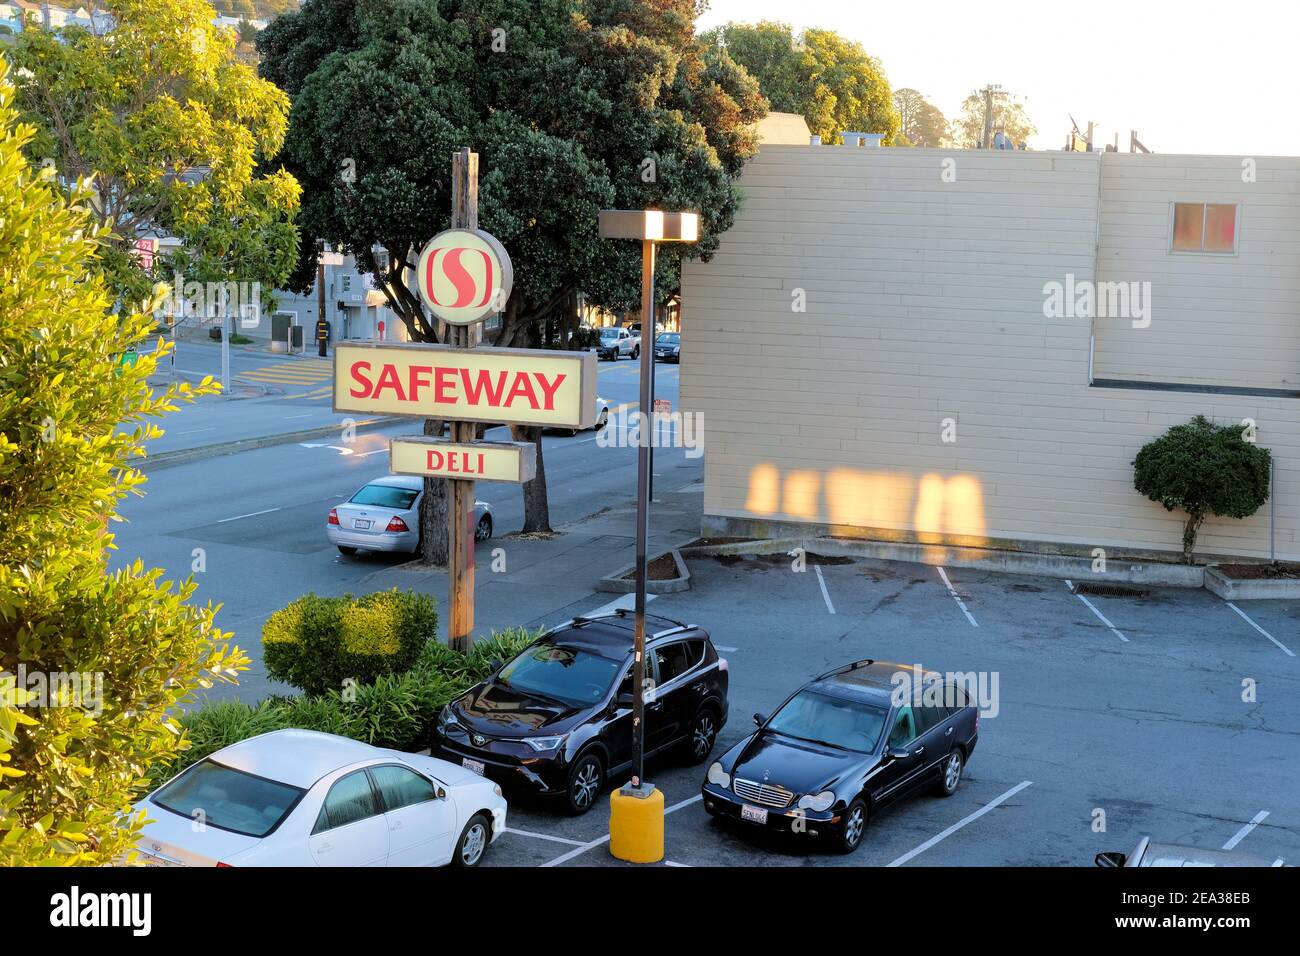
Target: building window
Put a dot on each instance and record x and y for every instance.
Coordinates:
(1205, 227)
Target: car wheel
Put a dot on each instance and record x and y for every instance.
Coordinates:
(704, 734)
(344, 549)
(483, 530)
(473, 842)
(636, 353)
(855, 825)
(585, 779)
(952, 769)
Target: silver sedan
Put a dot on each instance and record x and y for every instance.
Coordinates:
(384, 515)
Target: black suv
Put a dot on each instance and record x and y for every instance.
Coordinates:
(557, 719)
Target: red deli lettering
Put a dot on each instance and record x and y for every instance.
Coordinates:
(453, 461)
(476, 386)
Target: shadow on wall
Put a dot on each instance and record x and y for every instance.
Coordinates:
(933, 503)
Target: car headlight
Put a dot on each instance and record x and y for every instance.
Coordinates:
(821, 801)
(544, 743)
(719, 777)
(447, 720)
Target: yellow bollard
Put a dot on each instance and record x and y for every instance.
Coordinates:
(636, 826)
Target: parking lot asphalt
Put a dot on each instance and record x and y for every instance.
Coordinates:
(1173, 716)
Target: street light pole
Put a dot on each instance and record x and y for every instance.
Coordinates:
(642, 516)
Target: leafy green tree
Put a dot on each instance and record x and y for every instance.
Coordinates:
(92, 663)
(572, 106)
(173, 129)
(921, 123)
(1204, 469)
(831, 80)
(1008, 117)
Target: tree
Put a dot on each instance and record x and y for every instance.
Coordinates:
(173, 129)
(830, 80)
(1008, 117)
(921, 123)
(93, 664)
(572, 106)
(1204, 469)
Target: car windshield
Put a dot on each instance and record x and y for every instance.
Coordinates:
(670, 338)
(609, 333)
(823, 719)
(229, 799)
(565, 674)
(385, 496)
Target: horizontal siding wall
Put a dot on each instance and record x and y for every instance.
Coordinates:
(1216, 319)
(924, 302)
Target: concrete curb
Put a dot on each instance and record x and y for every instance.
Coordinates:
(183, 456)
(1250, 589)
(984, 559)
(616, 583)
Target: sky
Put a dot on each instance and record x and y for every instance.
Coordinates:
(1190, 76)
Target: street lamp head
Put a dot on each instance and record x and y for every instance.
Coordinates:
(649, 224)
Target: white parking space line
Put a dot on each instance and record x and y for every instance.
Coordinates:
(251, 514)
(579, 850)
(961, 823)
(960, 603)
(1244, 832)
(1113, 629)
(1278, 862)
(671, 863)
(1246, 618)
(826, 596)
(544, 836)
(726, 648)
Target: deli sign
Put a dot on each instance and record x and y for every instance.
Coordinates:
(493, 385)
(481, 460)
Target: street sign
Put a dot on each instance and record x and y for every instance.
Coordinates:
(508, 386)
(663, 406)
(464, 276)
(515, 462)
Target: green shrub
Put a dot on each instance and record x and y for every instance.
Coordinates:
(1204, 469)
(319, 643)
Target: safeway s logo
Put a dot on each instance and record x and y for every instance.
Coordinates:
(464, 275)
(448, 264)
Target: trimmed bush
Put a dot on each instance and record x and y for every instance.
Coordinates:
(317, 643)
(1204, 469)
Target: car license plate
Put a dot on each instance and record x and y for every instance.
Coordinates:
(477, 766)
(753, 814)
(362, 524)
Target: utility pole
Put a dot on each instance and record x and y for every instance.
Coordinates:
(460, 505)
(986, 141)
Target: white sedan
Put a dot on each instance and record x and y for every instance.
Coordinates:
(302, 798)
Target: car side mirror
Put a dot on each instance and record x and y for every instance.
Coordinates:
(494, 665)
(441, 793)
(898, 753)
(1111, 859)
(624, 700)
(760, 720)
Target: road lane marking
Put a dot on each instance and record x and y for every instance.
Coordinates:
(1244, 617)
(251, 514)
(195, 431)
(961, 823)
(544, 836)
(825, 594)
(579, 850)
(1244, 832)
(1092, 607)
(960, 603)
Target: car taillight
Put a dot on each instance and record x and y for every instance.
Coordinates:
(397, 524)
(334, 516)
(722, 663)
(221, 865)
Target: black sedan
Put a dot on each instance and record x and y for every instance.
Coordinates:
(843, 746)
(668, 347)
(557, 719)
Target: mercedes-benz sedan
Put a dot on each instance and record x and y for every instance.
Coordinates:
(384, 515)
(843, 746)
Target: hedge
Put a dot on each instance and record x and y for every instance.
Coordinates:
(395, 710)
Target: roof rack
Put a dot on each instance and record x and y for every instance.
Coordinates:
(623, 614)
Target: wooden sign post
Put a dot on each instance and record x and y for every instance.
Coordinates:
(460, 501)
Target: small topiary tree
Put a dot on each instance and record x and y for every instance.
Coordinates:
(317, 643)
(1204, 469)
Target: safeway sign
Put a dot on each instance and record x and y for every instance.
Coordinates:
(464, 275)
(493, 385)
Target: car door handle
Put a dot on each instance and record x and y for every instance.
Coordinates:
(947, 732)
(918, 751)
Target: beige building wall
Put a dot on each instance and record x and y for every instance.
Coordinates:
(1242, 310)
(869, 303)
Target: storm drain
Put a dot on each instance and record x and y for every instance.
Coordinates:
(1110, 590)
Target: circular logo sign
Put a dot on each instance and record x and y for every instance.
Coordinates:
(464, 276)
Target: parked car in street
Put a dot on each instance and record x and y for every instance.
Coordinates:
(668, 347)
(615, 342)
(384, 515)
(302, 798)
(1147, 853)
(840, 748)
(557, 719)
